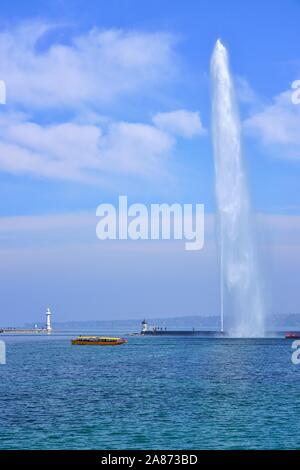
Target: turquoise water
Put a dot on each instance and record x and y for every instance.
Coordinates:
(153, 393)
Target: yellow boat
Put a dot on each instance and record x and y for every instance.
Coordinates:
(98, 341)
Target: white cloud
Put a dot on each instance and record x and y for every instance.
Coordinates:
(180, 122)
(46, 223)
(79, 79)
(92, 68)
(137, 148)
(278, 126)
(71, 150)
(245, 92)
(274, 231)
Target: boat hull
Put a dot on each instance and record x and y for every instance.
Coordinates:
(82, 342)
(292, 336)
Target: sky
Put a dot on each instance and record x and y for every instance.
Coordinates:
(112, 98)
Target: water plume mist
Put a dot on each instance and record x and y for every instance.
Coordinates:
(242, 309)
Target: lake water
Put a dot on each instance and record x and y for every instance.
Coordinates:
(152, 393)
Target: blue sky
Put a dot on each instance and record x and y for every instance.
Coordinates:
(109, 98)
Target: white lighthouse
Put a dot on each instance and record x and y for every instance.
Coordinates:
(144, 326)
(48, 320)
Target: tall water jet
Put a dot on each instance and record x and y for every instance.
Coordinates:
(242, 309)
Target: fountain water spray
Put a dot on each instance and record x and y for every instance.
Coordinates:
(242, 309)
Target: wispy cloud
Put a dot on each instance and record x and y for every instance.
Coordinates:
(80, 78)
(80, 151)
(245, 93)
(95, 67)
(278, 126)
(180, 122)
(273, 230)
